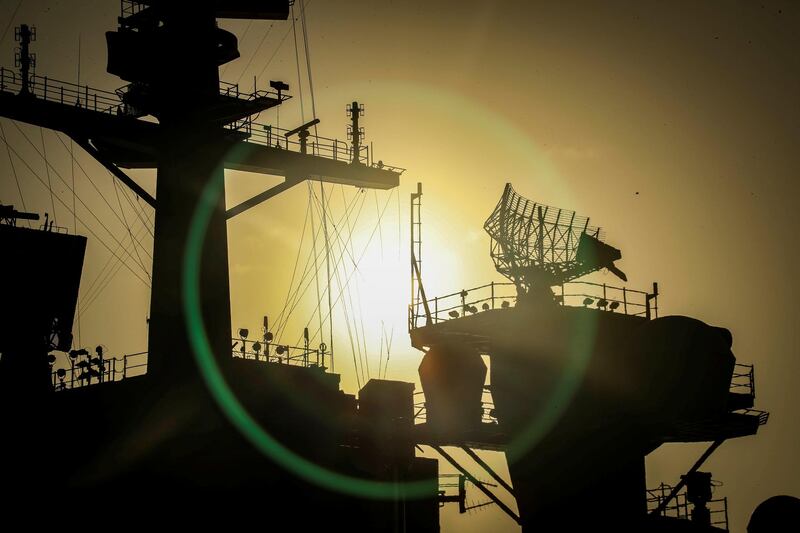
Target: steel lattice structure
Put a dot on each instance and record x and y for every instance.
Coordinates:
(533, 243)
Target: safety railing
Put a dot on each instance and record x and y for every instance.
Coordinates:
(487, 406)
(112, 102)
(131, 7)
(763, 416)
(680, 507)
(271, 352)
(85, 370)
(98, 100)
(334, 149)
(743, 380)
(503, 295)
(62, 92)
(233, 90)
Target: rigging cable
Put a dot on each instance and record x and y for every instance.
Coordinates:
(352, 273)
(128, 227)
(13, 169)
(354, 347)
(8, 145)
(136, 205)
(321, 184)
(121, 219)
(308, 64)
(328, 270)
(47, 170)
(308, 284)
(306, 274)
(255, 53)
(363, 339)
(74, 191)
(316, 267)
(297, 61)
(105, 278)
(388, 352)
(276, 327)
(246, 31)
(277, 48)
(10, 21)
(99, 239)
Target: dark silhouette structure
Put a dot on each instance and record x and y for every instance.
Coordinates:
(776, 515)
(586, 379)
(161, 439)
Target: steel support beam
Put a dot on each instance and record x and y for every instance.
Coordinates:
(259, 198)
(120, 175)
(477, 483)
(663, 505)
(474, 456)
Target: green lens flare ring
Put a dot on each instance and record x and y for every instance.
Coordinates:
(580, 353)
(227, 400)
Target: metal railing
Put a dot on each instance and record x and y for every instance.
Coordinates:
(131, 7)
(101, 101)
(487, 406)
(763, 416)
(503, 295)
(271, 352)
(85, 371)
(63, 92)
(232, 90)
(67, 93)
(334, 149)
(680, 507)
(743, 380)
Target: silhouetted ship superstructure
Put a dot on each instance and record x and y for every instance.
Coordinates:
(160, 439)
(586, 379)
(584, 384)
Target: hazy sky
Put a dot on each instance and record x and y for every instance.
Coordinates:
(674, 125)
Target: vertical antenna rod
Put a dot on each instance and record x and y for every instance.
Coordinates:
(417, 289)
(355, 110)
(25, 35)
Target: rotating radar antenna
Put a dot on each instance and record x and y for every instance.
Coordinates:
(539, 246)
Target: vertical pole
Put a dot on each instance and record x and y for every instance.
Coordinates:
(725, 502)
(655, 294)
(190, 169)
(493, 295)
(462, 494)
(540, 246)
(24, 56)
(354, 113)
(625, 300)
